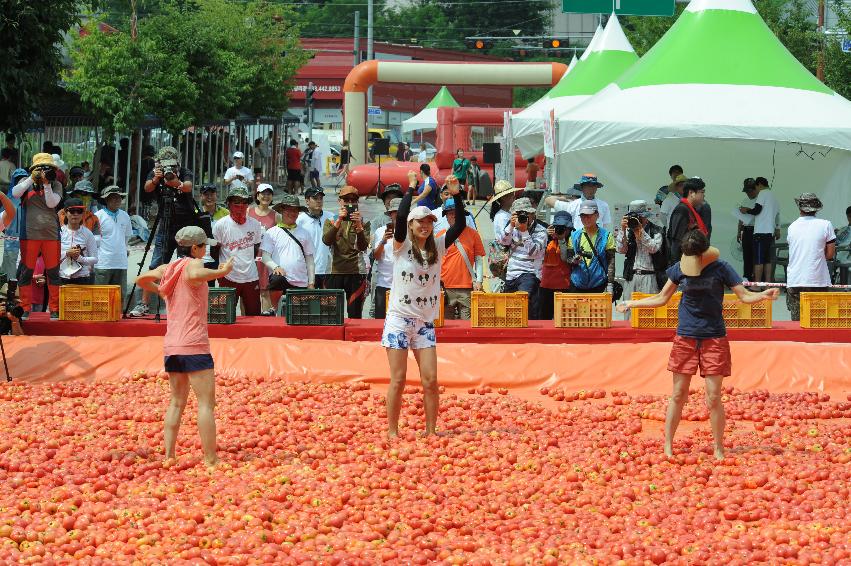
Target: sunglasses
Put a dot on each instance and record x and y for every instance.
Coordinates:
(76, 210)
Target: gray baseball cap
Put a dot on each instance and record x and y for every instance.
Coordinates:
(193, 236)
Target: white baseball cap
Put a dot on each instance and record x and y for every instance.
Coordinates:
(238, 155)
(264, 187)
(421, 212)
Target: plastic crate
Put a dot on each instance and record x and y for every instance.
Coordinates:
(666, 316)
(222, 309)
(315, 307)
(438, 323)
(499, 310)
(736, 314)
(739, 315)
(583, 310)
(825, 310)
(90, 303)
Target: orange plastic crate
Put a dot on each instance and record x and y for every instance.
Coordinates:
(736, 314)
(437, 323)
(90, 303)
(825, 310)
(500, 310)
(583, 310)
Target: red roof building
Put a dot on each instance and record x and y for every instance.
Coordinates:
(333, 60)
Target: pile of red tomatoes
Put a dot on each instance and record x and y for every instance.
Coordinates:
(308, 477)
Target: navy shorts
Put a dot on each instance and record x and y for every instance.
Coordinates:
(762, 248)
(188, 363)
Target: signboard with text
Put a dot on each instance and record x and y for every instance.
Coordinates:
(620, 7)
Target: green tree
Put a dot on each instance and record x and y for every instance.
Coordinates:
(837, 65)
(191, 63)
(644, 31)
(31, 35)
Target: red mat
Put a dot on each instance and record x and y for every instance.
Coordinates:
(455, 331)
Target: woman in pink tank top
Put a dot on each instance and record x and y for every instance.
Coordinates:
(186, 347)
(268, 218)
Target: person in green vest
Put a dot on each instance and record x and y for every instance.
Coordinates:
(460, 167)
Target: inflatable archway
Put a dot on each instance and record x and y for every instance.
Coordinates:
(370, 73)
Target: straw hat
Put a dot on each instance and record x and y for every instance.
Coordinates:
(503, 188)
(692, 265)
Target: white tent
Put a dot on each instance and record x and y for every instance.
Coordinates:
(426, 119)
(720, 95)
(608, 55)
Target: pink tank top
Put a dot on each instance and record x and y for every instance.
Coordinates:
(267, 220)
(186, 332)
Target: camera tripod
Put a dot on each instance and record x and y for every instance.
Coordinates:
(165, 213)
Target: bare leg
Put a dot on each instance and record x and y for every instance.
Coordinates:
(679, 396)
(716, 413)
(265, 301)
(758, 271)
(398, 360)
(427, 360)
(179, 383)
(204, 385)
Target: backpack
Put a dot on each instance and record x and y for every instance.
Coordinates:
(498, 259)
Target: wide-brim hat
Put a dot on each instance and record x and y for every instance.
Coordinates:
(84, 186)
(287, 201)
(808, 202)
(693, 265)
(589, 179)
(391, 189)
(503, 188)
(43, 160)
(111, 190)
(523, 205)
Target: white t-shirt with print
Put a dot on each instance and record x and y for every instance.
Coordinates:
(383, 268)
(766, 221)
(416, 287)
(807, 238)
(286, 253)
(238, 241)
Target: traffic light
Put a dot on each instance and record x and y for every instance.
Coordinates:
(555, 43)
(308, 98)
(479, 44)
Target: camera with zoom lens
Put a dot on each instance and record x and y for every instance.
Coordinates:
(522, 218)
(633, 220)
(169, 175)
(560, 230)
(351, 209)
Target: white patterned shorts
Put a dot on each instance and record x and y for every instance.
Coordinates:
(401, 333)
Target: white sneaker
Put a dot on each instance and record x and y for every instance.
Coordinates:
(140, 310)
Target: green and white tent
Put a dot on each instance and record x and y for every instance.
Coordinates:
(426, 119)
(608, 55)
(720, 95)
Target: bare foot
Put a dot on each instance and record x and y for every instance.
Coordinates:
(719, 454)
(669, 451)
(169, 462)
(212, 464)
(392, 434)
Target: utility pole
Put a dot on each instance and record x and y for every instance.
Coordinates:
(356, 48)
(370, 9)
(820, 67)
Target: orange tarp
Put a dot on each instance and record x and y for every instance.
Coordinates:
(635, 368)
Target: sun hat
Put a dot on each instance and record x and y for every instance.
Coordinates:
(393, 206)
(42, 160)
(693, 265)
(348, 190)
(808, 202)
(111, 190)
(287, 200)
(522, 205)
(167, 156)
(503, 188)
(238, 155)
(562, 218)
(589, 207)
(265, 187)
(589, 179)
(238, 190)
(193, 236)
(84, 186)
(421, 212)
(639, 207)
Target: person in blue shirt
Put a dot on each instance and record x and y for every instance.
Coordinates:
(701, 340)
(427, 192)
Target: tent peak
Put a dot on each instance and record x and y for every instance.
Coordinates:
(442, 98)
(732, 5)
(594, 41)
(613, 38)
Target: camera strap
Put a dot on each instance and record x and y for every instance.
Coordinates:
(593, 248)
(291, 235)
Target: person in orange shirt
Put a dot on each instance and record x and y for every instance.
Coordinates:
(555, 273)
(462, 270)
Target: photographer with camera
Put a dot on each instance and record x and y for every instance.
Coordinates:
(40, 194)
(555, 272)
(641, 241)
(348, 238)
(172, 185)
(591, 250)
(526, 241)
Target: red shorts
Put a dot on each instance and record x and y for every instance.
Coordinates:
(711, 355)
